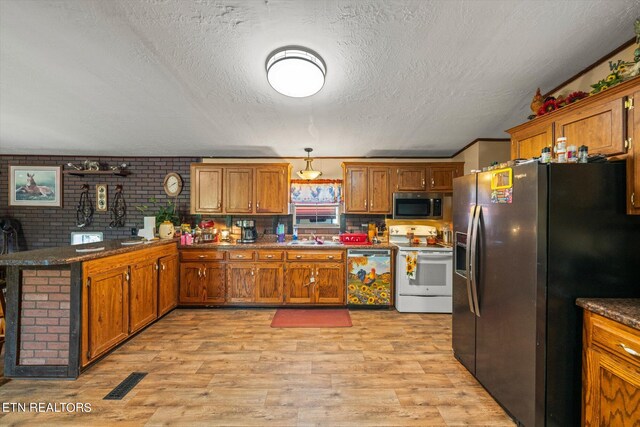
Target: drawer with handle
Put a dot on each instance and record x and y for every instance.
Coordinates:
(306, 255)
(201, 255)
(268, 255)
(616, 338)
(242, 255)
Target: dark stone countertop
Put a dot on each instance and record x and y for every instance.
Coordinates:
(623, 310)
(285, 245)
(68, 254)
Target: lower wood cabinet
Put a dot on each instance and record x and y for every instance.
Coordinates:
(269, 282)
(105, 317)
(143, 296)
(329, 286)
(610, 373)
(318, 283)
(241, 283)
(299, 280)
(202, 283)
(121, 295)
(168, 284)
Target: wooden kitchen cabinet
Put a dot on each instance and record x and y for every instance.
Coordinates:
(379, 189)
(202, 283)
(272, 191)
(206, 188)
(356, 189)
(105, 316)
(143, 297)
(239, 190)
(269, 282)
(599, 126)
(241, 283)
(441, 177)
(168, 283)
(330, 283)
(610, 372)
(411, 177)
(299, 283)
(529, 142)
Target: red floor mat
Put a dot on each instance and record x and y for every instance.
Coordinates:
(304, 318)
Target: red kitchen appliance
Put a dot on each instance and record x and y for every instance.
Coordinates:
(354, 239)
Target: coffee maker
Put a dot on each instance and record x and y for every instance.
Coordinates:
(248, 233)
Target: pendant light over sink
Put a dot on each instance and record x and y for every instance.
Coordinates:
(295, 71)
(308, 172)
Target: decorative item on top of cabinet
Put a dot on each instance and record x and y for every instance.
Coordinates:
(610, 372)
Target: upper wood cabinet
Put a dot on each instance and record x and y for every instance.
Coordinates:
(411, 177)
(598, 126)
(260, 189)
(356, 189)
(441, 177)
(239, 190)
(206, 188)
(380, 190)
(529, 142)
(272, 191)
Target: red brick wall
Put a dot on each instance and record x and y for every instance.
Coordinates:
(44, 321)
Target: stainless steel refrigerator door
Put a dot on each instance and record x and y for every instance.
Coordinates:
(464, 320)
(507, 283)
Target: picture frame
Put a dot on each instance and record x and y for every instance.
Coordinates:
(39, 186)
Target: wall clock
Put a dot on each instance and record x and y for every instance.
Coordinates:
(173, 184)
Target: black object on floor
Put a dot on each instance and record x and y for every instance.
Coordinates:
(125, 386)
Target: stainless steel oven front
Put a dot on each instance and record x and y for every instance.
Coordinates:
(419, 205)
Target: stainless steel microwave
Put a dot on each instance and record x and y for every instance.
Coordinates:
(421, 205)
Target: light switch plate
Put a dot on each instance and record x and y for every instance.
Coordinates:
(101, 197)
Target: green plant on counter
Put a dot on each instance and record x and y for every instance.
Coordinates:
(168, 212)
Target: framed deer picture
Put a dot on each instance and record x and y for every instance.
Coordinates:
(35, 186)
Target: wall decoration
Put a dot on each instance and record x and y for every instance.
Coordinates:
(35, 186)
(101, 197)
(118, 209)
(84, 211)
(316, 191)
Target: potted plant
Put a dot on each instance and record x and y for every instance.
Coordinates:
(168, 212)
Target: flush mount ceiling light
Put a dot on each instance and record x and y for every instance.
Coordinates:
(296, 71)
(308, 172)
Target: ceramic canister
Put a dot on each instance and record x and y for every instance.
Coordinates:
(166, 230)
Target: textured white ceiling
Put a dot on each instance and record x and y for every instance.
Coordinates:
(183, 77)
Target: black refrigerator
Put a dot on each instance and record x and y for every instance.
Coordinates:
(529, 240)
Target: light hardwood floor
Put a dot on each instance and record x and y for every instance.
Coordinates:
(229, 367)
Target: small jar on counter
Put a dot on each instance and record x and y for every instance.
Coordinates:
(583, 154)
(545, 155)
(572, 154)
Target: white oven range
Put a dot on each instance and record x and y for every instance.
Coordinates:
(428, 287)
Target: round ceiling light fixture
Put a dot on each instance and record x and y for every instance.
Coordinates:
(296, 71)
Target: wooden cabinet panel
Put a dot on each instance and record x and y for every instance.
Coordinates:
(143, 297)
(206, 189)
(105, 312)
(330, 286)
(269, 281)
(240, 283)
(356, 189)
(192, 288)
(317, 255)
(239, 190)
(299, 283)
(610, 374)
(201, 255)
(272, 192)
(168, 284)
(241, 255)
(270, 255)
(599, 126)
(214, 278)
(530, 142)
(380, 190)
(633, 161)
(411, 178)
(441, 177)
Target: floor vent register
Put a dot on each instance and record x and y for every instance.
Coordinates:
(125, 386)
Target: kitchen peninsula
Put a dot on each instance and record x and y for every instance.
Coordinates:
(67, 307)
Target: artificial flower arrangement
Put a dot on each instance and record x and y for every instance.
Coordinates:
(551, 103)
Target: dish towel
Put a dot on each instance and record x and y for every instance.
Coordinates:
(412, 259)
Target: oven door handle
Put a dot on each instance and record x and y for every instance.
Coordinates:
(469, 270)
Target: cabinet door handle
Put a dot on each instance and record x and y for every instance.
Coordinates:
(258, 205)
(219, 203)
(204, 272)
(249, 204)
(432, 182)
(269, 256)
(252, 272)
(630, 350)
(423, 183)
(239, 256)
(298, 256)
(199, 272)
(164, 267)
(202, 256)
(365, 203)
(330, 256)
(157, 267)
(126, 276)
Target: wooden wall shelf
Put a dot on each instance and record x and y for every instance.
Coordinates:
(90, 172)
